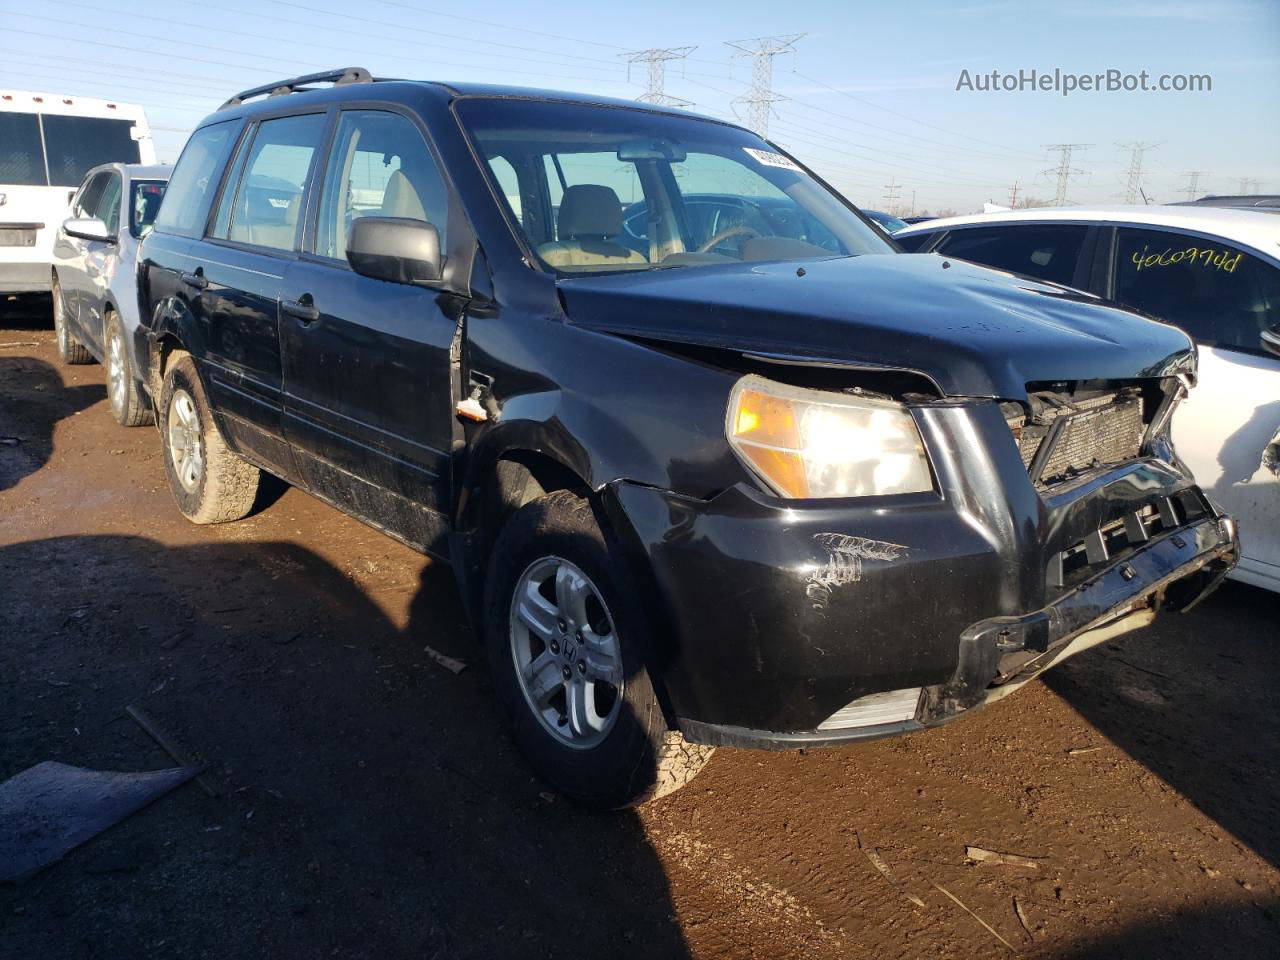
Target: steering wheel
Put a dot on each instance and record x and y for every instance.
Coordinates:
(726, 233)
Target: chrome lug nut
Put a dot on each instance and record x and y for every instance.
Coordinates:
(582, 667)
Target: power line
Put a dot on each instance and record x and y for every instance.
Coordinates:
(504, 26)
(657, 59)
(905, 116)
(1134, 181)
(1193, 182)
(761, 99)
(851, 149)
(1013, 196)
(1064, 171)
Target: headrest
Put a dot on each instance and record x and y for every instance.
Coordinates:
(401, 199)
(589, 210)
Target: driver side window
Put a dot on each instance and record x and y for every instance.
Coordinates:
(380, 167)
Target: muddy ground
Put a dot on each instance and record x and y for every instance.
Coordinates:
(371, 807)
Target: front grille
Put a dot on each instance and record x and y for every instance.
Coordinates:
(1068, 437)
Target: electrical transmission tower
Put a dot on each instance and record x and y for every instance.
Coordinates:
(891, 196)
(1193, 182)
(761, 99)
(657, 60)
(1064, 171)
(1249, 185)
(1134, 181)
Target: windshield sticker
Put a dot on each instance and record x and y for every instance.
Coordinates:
(772, 159)
(1207, 257)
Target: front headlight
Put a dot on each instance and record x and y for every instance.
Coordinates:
(817, 443)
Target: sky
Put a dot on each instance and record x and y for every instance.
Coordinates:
(870, 98)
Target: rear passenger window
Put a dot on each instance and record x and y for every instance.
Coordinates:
(1216, 292)
(185, 203)
(1045, 252)
(915, 242)
(268, 199)
(380, 167)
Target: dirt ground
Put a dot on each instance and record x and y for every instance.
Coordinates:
(370, 805)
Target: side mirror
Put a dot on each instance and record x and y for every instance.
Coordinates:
(395, 249)
(1271, 340)
(89, 228)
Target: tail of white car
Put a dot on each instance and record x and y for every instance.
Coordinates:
(47, 143)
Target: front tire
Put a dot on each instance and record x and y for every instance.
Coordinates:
(209, 482)
(129, 406)
(563, 632)
(71, 350)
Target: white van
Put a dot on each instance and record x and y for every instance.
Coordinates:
(47, 144)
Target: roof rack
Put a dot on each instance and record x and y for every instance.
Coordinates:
(299, 84)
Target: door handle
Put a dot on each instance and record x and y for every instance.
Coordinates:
(304, 311)
(196, 279)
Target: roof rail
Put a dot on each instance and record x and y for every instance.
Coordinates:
(297, 84)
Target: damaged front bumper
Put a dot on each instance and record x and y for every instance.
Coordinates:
(789, 623)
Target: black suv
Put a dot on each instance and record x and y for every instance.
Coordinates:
(704, 481)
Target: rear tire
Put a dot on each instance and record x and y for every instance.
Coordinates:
(71, 350)
(209, 482)
(129, 406)
(607, 744)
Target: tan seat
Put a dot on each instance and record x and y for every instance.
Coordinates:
(590, 214)
(401, 199)
(280, 236)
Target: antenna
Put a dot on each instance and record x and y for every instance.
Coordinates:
(657, 59)
(761, 99)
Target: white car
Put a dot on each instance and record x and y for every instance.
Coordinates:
(95, 278)
(1214, 272)
(48, 143)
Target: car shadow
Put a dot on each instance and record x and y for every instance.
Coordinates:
(370, 803)
(32, 401)
(1226, 925)
(26, 311)
(1247, 446)
(1186, 702)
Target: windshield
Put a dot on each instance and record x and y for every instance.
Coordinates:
(596, 188)
(147, 195)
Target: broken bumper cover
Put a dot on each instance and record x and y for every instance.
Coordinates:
(796, 624)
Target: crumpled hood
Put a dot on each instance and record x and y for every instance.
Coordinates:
(975, 332)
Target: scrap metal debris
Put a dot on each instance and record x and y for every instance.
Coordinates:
(878, 862)
(1022, 917)
(980, 855)
(990, 929)
(52, 808)
(167, 744)
(449, 663)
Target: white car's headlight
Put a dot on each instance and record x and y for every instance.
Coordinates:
(817, 443)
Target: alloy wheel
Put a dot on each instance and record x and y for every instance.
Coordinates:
(186, 447)
(566, 653)
(115, 371)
